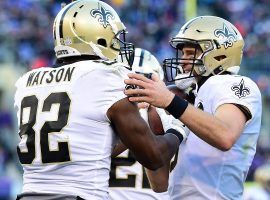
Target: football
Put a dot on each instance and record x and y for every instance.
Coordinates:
(154, 120)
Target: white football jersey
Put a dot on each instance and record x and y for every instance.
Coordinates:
(204, 172)
(66, 136)
(128, 180)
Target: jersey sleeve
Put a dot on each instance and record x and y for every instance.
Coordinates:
(101, 88)
(237, 90)
(115, 85)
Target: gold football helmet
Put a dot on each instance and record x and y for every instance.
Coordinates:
(90, 27)
(219, 41)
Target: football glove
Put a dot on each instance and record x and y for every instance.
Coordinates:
(169, 122)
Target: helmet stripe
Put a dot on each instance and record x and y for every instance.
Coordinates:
(188, 24)
(62, 19)
(141, 57)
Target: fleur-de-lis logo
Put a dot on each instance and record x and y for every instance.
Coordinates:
(103, 15)
(240, 89)
(200, 106)
(226, 36)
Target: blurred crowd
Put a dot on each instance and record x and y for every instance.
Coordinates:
(26, 42)
(26, 25)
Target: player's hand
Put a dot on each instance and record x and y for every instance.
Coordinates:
(169, 122)
(152, 91)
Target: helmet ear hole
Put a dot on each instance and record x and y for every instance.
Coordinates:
(102, 42)
(219, 58)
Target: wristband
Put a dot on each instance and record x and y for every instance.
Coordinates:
(177, 107)
(176, 133)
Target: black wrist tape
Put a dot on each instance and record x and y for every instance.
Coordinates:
(176, 133)
(177, 106)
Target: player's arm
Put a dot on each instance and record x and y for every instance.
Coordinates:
(220, 130)
(118, 149)
(158, 179)
(150, 150)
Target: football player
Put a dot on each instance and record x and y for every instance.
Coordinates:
(70, 115)
(225, 119)
(128, 179)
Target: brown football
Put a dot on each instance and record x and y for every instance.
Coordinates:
(154, 120)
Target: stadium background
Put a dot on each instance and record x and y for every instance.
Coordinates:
(26, 42)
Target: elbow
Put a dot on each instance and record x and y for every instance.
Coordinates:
(154, 164)
(224, 147)
(150, 159)
(152, 167)
(153, 161)
(226, 144)
(161, 188)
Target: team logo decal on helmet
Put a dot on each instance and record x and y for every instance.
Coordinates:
(240, 89)
(229, 37)
(200, 106)
(103, 15)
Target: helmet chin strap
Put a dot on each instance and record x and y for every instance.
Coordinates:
(97, 51)
(198, 67)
